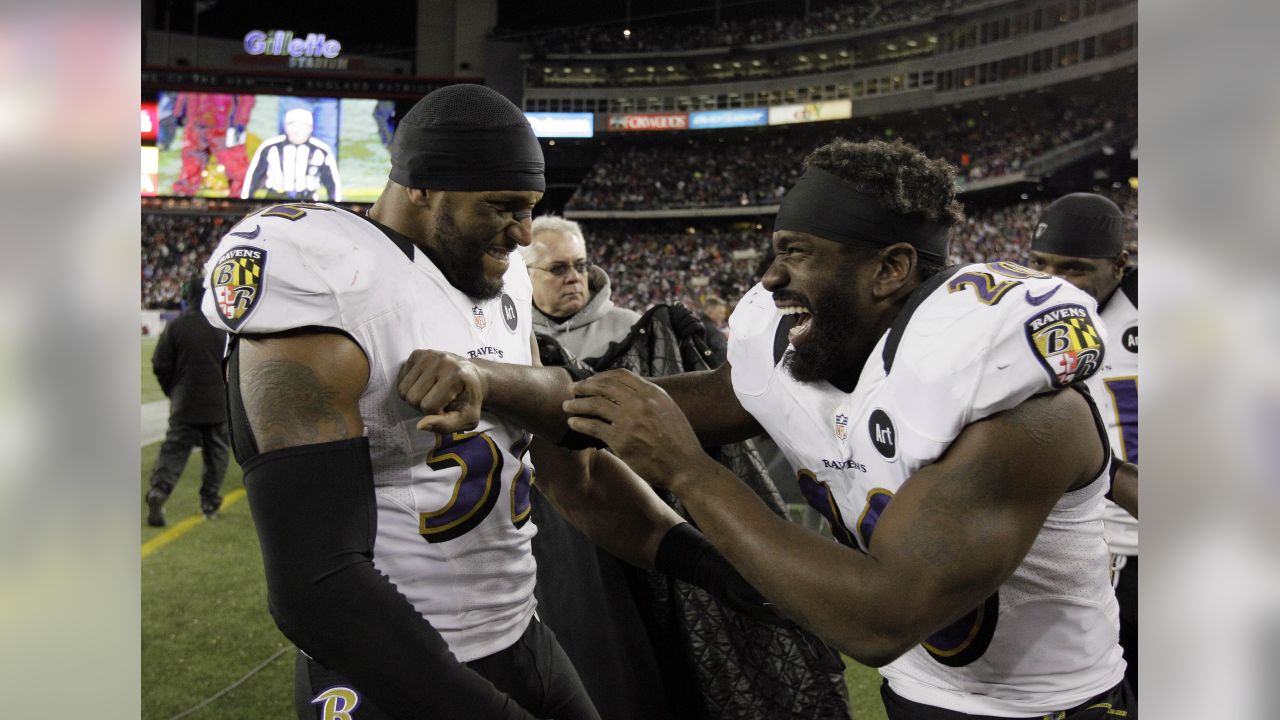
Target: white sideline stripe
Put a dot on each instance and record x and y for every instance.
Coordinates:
(155, 421)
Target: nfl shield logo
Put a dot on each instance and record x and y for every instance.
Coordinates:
(842, 426)
(477, 315)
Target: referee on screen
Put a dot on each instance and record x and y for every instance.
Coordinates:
(294, 166)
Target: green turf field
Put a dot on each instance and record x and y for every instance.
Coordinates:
(204, 618)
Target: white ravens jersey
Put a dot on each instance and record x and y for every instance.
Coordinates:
(1115, 387)
(453, 511)
(971, 342)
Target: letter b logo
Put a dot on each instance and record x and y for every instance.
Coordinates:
(339, 703)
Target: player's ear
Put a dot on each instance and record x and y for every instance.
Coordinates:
(896, 270)
(1120, 263)
(425, 199)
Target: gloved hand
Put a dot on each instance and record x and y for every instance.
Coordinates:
(685, 323)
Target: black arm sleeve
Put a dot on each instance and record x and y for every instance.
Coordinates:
(314, 510)
(686, 554)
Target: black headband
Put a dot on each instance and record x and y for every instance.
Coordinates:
(830, 207)
(468, 159)
(1080, 225)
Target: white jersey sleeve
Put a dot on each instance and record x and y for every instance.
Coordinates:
(753, 327)
(996, 334)
(291, 266)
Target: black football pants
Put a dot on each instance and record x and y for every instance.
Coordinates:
(215, 444)
(534, 671)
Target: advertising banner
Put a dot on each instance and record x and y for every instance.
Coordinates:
(737, 117)
(630, 122)
(562, 124)
(811, 112)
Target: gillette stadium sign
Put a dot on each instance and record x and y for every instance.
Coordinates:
(313, 51)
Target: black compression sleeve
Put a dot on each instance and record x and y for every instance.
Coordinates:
(686, 554)
(316, 517)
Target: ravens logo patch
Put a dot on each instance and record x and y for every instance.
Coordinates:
(237, 283)
(1066, 343)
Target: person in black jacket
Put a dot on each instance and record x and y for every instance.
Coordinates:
(188, 364)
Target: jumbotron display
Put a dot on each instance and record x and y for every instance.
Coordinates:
(267, 146)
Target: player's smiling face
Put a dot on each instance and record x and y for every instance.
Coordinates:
(817, 280)
(475, 234)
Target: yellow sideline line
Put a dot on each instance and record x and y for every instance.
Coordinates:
(185, 525)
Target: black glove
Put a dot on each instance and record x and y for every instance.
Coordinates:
(686, 554)
(686, 324)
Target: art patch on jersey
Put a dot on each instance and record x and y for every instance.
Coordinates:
(842, 426)
(237, 283)
(1066, 343)
(883, 434)
(1129, 340)
(509, 316)
(477, 317)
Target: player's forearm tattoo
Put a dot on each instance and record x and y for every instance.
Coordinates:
(288, 406)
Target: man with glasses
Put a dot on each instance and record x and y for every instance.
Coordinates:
(571, 298)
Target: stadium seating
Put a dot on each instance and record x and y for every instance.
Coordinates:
(756, 168)
(823, 20)
(648, 262)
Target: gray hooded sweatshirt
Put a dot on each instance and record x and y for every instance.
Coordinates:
(588, 332)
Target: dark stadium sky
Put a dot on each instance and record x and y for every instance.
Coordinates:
(390, 28)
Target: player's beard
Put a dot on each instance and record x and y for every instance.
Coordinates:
(825, 353)
(462, 260)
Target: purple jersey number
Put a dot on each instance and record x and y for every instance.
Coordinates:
(955, 645)
(1124, 396)
(478, 486)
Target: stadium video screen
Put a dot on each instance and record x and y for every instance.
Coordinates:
(269, 146)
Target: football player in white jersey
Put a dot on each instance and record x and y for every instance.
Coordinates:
(934, 409)
(1080, 238)
(396, 549)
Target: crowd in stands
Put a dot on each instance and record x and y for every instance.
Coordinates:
(1004, 233)
(649, 265)
(647, 262)
(757, 167)
(175, 247)
(822, 20)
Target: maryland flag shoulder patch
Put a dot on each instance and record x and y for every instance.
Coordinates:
(237, 283)
(1066, 343)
